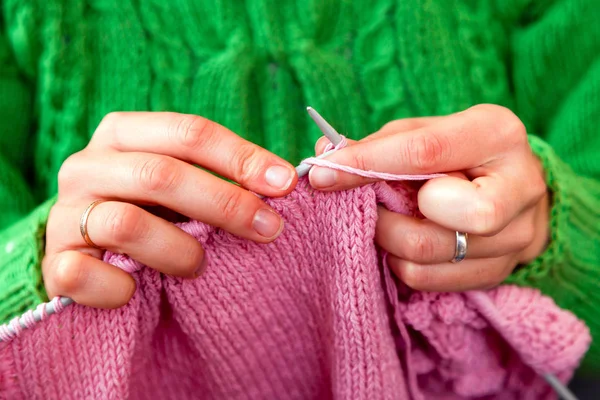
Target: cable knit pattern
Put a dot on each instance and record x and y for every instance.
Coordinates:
(484, 44)
(65, 94)
(376, 51)
(312, 315)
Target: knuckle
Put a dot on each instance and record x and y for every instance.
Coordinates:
(246, 165)
(123, 222)
(510, 129)
(419, 247)
(156, 174)
(391, 125)
(228, 204)
(513, 130)
(68, 172)
(191, 131)
(484, 110)
(69, 274)
(490, 113)
(111, 120)
(401, 125)
(107, 129)
(427, 151)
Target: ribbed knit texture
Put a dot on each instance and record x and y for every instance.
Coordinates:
(314, 315)
(254, 65)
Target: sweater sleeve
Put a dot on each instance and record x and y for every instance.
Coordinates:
(22, 218)
(556, 69)
(21, 253)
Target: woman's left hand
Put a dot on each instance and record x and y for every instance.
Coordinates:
(495, 192)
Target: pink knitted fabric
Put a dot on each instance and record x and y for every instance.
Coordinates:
(314, 315)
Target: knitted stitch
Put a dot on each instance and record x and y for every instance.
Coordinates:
(252, 66)
(315, 314)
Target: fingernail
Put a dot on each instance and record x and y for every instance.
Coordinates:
(202, 267)
(266, 223)
(279, 177)
(323, 177)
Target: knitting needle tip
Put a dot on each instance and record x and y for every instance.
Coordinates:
(334, 137)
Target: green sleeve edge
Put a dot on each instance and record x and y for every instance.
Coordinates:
(22, 249)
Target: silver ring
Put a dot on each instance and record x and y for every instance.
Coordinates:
(461, 247)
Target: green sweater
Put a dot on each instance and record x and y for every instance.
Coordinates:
(253, 67)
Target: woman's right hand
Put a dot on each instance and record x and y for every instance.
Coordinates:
(146, 159)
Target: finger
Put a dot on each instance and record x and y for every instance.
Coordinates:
(124, 228)
(87, 280)
(482, 207)
(176, 185)
(468, 275)
(199, 141)
(425, 242)
(454, 143)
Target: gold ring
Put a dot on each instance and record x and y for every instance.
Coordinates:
(83, 223)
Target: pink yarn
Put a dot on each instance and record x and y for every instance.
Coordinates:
(384, 176)
(314, 315)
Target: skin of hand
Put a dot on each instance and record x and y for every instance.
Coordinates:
(495, 192)
(144, 164)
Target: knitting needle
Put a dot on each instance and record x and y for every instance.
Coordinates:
(37, 314)
(563, 392)
(334, 137)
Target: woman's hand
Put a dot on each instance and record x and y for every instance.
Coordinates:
(495, 192)
(146, 159)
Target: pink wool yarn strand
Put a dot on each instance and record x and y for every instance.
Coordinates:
(382, 176)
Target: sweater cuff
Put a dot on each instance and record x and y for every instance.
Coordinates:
(557, 176)
(21, 252)
(568, 270)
